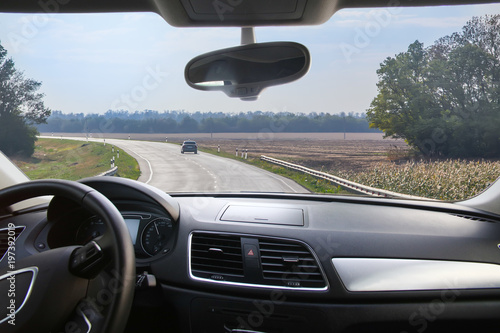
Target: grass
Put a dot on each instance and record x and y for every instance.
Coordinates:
(311, 183)
(443, 180)
(73, 160)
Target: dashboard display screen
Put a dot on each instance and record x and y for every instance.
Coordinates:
(133, 227)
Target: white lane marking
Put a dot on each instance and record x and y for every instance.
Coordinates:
(149, 164)
(151, 169)
(281, 180)
(214, 176)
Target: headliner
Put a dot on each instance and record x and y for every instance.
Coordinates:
(216, 13)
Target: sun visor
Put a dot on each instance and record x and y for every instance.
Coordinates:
(242, 13)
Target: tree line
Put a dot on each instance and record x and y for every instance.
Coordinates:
(151, 121)
(444, 100)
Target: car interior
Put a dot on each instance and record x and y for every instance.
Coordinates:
(107, 254)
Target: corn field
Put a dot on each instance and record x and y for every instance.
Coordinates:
(444, 180)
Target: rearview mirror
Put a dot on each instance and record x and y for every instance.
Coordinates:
(244, 71)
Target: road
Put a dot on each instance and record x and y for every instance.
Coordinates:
(163, 166)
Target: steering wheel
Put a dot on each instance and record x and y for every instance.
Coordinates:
(74, 288)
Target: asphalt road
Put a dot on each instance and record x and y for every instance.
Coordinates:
(163, 166)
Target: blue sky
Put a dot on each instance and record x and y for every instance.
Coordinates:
(95, 62)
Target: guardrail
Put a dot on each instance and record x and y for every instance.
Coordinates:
(342, 182)
(110, 172)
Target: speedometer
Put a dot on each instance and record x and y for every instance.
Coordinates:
(155, 235)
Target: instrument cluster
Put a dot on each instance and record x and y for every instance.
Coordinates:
(151, 234)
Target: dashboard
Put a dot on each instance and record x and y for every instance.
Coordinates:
(151, 226)
(295, 263)
(150, 232)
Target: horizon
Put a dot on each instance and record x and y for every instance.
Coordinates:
(92, 63)
(264, 112)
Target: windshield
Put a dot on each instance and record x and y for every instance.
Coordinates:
(398, 102)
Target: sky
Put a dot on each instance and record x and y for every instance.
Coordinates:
(91, 63)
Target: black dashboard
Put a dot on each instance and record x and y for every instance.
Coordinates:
(296, 263)
(151, 231)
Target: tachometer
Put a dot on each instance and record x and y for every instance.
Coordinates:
(155, 235)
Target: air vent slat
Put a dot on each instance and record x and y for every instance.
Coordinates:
(220, 250)
(216, 256)
(275, 245)
(220, 270)
(214, 261)
(269, 257)
(310, 277)
(309, 267)
(289, 263)
(298, 273)
(285, 252)
(208, 273)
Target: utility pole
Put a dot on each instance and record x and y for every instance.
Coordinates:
(344, 126)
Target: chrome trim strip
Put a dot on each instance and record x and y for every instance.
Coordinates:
(33, 270)
(384, 274)
(253, 285)
(97, 246)
(17, 226)
(240, 330)
(139, 215)
(87, 321)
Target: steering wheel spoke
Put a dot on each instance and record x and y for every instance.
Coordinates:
(76, 288)
(86, 319)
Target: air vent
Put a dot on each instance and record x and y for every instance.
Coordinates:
(216, 257)
(474, 218)
(253, 261)
(289, 264)
(7, 235)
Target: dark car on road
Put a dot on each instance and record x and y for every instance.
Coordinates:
(189, 146)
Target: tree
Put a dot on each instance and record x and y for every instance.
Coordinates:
(21, 107)
(188, 125)
(444, 99)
